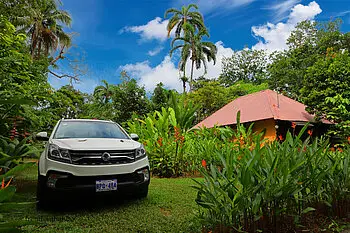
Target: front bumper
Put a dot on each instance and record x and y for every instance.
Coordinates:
(65, 182)
(47, 165)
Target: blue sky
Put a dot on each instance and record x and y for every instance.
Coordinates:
(115, 35)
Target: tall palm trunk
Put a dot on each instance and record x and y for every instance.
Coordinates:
(184, 81)
(191, 79)
(39, 49)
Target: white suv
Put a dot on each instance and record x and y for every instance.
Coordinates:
(91, 156)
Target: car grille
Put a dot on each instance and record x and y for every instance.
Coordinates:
(73, 181)
(95, 157)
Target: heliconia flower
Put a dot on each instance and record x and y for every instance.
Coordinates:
(3, 183)
(309, 132)
(204, 163)
(160, 141)
(293, 125)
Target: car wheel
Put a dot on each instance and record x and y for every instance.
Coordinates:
(142, 192)
(42, 193)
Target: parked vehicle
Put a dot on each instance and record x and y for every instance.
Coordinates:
(91, 156)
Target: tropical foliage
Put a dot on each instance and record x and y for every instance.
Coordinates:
(249, 184)
(246, 65)
(272, 187)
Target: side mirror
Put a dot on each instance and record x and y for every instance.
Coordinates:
(42, 136)
(134, 136)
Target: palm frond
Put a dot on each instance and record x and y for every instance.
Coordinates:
(185, 40)
(171, 11)
(173, 49)
(192, 6)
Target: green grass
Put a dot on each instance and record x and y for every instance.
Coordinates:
(169, 207)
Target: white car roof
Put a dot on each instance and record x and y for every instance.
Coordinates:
(93, 120)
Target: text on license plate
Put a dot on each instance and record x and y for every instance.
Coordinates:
(106, 185)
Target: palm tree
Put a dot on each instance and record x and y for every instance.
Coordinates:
(44, 24)
(184, 17)
(198, 51)
(104, 93)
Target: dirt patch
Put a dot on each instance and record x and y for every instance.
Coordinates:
(165, 212)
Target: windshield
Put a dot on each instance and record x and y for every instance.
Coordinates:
(89, 129)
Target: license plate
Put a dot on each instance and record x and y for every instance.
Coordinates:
(106, 185)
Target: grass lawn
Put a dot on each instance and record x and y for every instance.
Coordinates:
(169, 207)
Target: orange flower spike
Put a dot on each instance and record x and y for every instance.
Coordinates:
(309, 132)
(3, 183)
(8, 183)
(204, 163)
(293, 125)
(160, 141)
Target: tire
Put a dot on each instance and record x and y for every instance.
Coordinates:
(142, 192)
(42, 193)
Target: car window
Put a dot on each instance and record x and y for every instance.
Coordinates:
(89, 129)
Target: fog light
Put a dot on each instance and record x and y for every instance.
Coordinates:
(52, 179)
(145, 173)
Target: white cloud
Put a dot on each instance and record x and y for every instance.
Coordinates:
(153, 30)
(155, 51)
(167, 72)
(274, 36)
(282, 8)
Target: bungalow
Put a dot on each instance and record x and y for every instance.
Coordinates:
(268, 110)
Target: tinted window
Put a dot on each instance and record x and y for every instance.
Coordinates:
(89, 129)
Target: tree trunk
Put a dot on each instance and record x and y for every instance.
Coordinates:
(33, 46)
(39, 49)
(191, 79)
(184, 81)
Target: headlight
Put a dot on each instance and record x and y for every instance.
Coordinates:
(140, 152)
(59, 154)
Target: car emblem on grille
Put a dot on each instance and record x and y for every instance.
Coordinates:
(106, 157)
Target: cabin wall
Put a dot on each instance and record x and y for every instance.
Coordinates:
(269, 125)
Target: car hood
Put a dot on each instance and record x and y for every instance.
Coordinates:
(96, 144)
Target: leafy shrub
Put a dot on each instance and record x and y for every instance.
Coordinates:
(12, 151)
(261, 186)
(164, 134)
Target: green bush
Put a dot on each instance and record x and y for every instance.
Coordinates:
(264, 186)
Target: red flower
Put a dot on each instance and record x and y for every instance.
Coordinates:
(293, 125)
(309, 132)
(280, 137)
(204, 163)
(160, 141)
